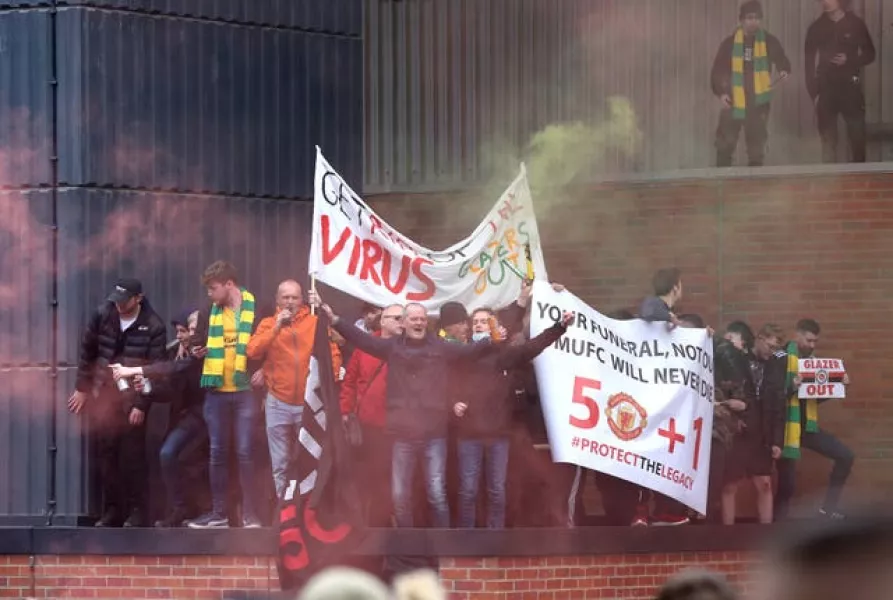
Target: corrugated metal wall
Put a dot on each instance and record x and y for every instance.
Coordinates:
(456, 89)
(186, 133)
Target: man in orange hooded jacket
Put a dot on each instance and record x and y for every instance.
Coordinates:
(284, 343)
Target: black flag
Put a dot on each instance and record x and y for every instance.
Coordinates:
(319, 512)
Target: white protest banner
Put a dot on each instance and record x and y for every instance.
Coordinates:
(627, 398)
(356, 251)
(821, 378)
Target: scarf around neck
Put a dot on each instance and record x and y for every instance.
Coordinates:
(762, 82)
(212, 372)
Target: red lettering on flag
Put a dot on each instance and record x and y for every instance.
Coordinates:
(671, 435)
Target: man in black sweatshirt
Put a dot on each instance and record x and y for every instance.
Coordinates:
(838, 46)
(741, 79)
(124, 330)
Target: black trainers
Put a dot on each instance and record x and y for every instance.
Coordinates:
(174, 519)
(831, 514)
(136, 519)
(109, 518)
(208, 521)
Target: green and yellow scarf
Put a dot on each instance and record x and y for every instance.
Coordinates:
(792, 431)
(212, 373)
(762, 82)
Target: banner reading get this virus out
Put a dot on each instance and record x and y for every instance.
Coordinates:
(356, 251)
(627, 398)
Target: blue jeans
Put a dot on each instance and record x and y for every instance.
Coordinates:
(283, 424)
(227, 413)
(471, 459)
(404, 457)
(189, 431)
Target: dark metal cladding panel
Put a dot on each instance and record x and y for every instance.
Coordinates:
(25, 278)
(210, 107)
(72, 458)
(24, 419)
(25, 99)
(341, 17)
(167, 240)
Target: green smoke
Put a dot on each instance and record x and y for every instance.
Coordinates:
(560, 154)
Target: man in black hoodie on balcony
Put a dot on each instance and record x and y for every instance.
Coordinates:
(838, 47)
(125, 330)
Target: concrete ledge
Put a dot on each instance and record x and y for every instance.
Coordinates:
(407, 542)
(707, 174)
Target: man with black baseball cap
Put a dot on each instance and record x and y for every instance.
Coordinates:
(123, 330)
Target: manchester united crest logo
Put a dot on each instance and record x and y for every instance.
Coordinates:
(626, 417)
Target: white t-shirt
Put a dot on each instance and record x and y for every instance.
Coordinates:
(126, 323)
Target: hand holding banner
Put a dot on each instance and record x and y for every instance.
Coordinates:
(627, 398)
(357, 252)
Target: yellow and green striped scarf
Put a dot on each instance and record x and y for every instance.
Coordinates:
(762, 82)
(212, 373)
(792, 431)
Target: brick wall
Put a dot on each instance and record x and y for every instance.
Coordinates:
(141, 577)
(772, 249)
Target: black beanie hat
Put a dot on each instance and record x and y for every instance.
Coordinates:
(452, 313)
(751, 7)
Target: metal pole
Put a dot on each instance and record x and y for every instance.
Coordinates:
(52, 448)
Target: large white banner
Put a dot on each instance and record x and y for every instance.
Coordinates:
(627, 398)
(357, 252)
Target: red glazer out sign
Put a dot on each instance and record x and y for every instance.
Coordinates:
(821, 378)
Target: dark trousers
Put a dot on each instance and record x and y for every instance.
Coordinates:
(828, 446)
(186, 437)
(121, 453)
(755, 123)
(373, 472)
(619, 498)
(846, 100)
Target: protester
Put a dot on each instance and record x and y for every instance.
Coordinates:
(485, 415)
(370, 318)
(124, 329)
(363, 398)
(838, 47)
(417, 397)
(802, 431)
(222, 335)
(742, 80)
(758, 443)
(667, 285)
(284, 343)
(178, 378)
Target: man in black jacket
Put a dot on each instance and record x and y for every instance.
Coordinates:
(838, 47)
(178, 379)
(485, 415)
(417, 403)
(122, 330)
(761, 387)
(744, 88)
